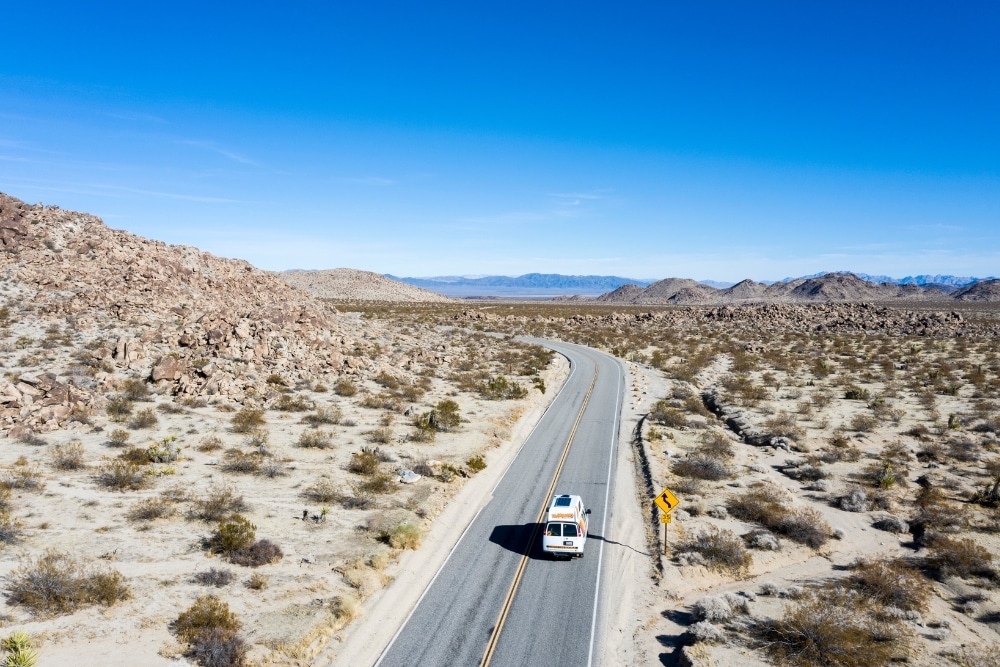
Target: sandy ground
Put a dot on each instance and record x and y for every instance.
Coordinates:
(328, 556)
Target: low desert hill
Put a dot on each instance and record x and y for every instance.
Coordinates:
(828, 288)
(355, 285)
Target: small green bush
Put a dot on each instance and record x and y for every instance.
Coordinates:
(476, 464)
(233, 534)
(206, 613)
(327, 415)
(500, 388)
(119, 437)
(365, 462)
(406, 536)
(247, 420)
(135, 390)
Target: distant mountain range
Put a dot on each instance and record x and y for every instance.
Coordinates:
(554, 284)
(530, 284)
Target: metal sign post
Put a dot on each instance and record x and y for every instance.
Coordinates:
(666, 501)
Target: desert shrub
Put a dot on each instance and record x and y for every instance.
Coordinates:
(210, 443)
(840, 449)
(119, 408)
(382, 435)
(247, 420)
(217, 503)
(328, 415)
(145, 418)
(783, 424)
(863, 423)
(150, 509)
(323, 491)
(662, 413)
(855, 393)
(206, 613)
(233, 534)
(22, 477)
(68, 456)
(382, 402)
(716, 445)
(292, 403)
(476, 464)
(237, 461)
(764, 504)
(365, 462)
(763, 540)
(891, 583)
(706, 632)
(56, 583)
(119, 437)
(171, 408)
(261, 552)
(837, 627)
(377, 484)
(218, 647)
(855, 500)
(701, 467)
(891, 524)
(805, 526)
(315, 439)
(217, 577)
(345, 388)
(884, 475)
(406, 536)
(500, 388)
(804, 472)
(122, 475)
(135, 390)
(761, 503)
(720, 550)
(719, 607)
(960, 558)
(257, 582)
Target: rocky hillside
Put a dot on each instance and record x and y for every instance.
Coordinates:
(89, 307)
(354, 285)
(829, 288)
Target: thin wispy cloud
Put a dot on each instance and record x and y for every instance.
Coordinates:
(104, 190)
(133, 116)
(215, 148)
(365, 180)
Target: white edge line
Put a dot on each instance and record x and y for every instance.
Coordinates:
(604, 521)
(392, 641)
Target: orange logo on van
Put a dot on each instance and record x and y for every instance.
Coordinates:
(562, 516)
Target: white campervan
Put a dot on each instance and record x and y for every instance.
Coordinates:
(565, 527)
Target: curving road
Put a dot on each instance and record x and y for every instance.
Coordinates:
(550, 618)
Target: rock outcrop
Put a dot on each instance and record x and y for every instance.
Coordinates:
(355, 285)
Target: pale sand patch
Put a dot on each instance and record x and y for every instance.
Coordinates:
(383, 613)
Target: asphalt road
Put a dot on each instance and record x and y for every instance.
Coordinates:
(552, 617)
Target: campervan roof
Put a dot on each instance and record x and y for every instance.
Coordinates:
(562, 501)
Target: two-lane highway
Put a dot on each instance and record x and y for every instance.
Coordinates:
(497, 600)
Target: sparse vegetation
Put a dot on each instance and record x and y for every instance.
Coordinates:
(56, 583)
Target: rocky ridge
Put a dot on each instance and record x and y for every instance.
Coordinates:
(133, 308)
(355, 285)
(829, 288)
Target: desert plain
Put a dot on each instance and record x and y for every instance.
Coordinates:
(206, 463)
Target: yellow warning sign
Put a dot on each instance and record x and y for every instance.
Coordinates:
(666, 501)
(665, 518)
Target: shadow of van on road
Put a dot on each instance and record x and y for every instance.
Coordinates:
(523, 540)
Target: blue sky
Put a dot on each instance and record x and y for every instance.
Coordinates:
(711, 140)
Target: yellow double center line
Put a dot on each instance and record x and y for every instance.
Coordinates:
(509, 600)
